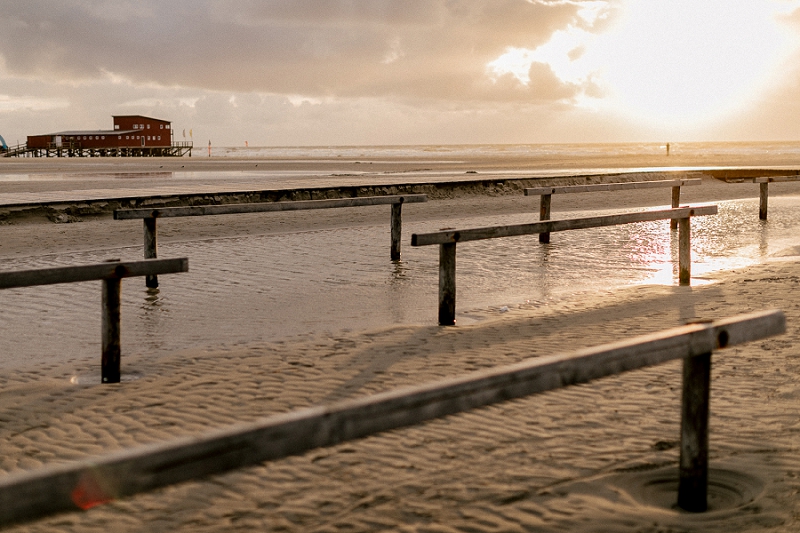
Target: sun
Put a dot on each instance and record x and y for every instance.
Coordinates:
(689, 62)
(663, 64)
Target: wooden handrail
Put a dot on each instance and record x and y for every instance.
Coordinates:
(447, 240)
(493, 232)
(99, 271)
(149, 217)
(111, 274)
(58, 488)
(545, 194)
(264, 207)
(621, 186)
(763, 185)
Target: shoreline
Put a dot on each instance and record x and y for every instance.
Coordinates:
(67, 201)
(556, 461)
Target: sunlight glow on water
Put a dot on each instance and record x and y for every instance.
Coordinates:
(266, 287)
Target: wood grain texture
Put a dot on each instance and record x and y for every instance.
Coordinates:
(109, 270)
(57, 488)
(474, 234)
(600, 187)
(231, 209)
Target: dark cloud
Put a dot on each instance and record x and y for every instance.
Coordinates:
(423, 49)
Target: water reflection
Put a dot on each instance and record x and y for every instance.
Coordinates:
(267, 287)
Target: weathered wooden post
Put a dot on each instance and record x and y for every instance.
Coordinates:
(150, 248)
(110, 323)
(693, 481)
(684, 251)
(676, 202)
(544, 214)
(397, 229)
(447, 284)
(763, 200)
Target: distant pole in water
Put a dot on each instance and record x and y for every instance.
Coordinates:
(667, 149)
(209, 148)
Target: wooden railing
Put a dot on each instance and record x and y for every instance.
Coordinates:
(149, 216)
(84, 484)
(447, 244)
(111, 273)
(763, 183)
(545, 194)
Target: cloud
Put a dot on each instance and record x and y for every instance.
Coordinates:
(421, 49)
(287, 72)
(18, 103)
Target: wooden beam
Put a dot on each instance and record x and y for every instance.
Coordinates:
(779, 179)
(264, 207)
(447, 284)
(684, 251)
(676, 202)
(73, 274)
(150, 248)
(396, 231)
(110, 313)
(762, 179)
(449, 236)
(763, 182)
(600, 187)
(57, 488)
(693, 469)
(545, 203)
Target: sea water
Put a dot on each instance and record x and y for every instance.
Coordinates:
(340, 278)
(254, 288)
(450, 153)
(258, 288)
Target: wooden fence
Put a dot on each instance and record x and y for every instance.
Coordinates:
(545, 194)
(84, 484)
(447, 244)
(111, 273)
(763, 182)
(149, 216)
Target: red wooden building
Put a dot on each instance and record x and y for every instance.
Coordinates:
(133, 135)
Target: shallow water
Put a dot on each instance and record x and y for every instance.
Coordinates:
(565, 461)
(271, 287)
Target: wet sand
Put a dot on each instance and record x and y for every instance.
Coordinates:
(568, 460)
(581, 459)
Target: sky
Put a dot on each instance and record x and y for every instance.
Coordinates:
(370, 72)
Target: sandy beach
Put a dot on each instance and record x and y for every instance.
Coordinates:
(577, 459)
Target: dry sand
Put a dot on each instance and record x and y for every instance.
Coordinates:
(569, 460)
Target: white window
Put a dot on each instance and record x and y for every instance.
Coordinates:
(141, 126)
(103, 137)
(166, 127)
(148, 126)
(119, 137)
(159, 137)
(162, 127)
(116, 126)
(127, 136)
(136, 126)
